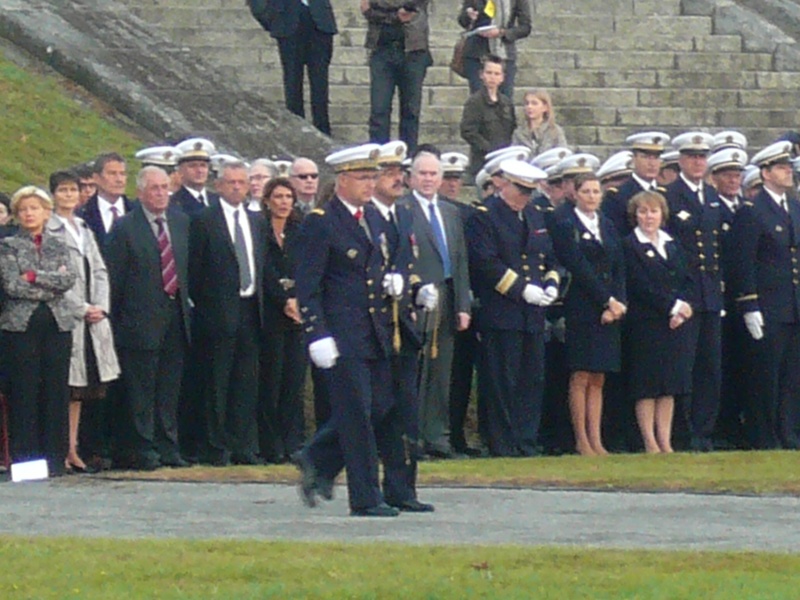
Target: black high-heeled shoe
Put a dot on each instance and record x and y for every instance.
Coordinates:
(85, 470)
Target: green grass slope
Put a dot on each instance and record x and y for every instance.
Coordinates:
(44, 127)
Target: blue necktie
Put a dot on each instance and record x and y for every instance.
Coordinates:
(441, 245)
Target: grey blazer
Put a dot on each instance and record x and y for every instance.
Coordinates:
(55, 276)
(429, 265)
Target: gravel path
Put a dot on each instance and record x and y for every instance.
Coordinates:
(83, 506)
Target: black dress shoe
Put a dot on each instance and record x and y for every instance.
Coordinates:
(246, 459)
(437, 451)
(308, 479)
(324, 488)
(413, 505)
(382, 510)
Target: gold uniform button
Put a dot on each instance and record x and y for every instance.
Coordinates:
(702, 267)
(372, 296)
(526, 268)
(698, 232)
(524, 257)
(542, 268)
(794, 259)
(702, 256)
(370, 281)
(527, 277)
(699, 244)
(383, 310)
(715, 232)
(371, 309)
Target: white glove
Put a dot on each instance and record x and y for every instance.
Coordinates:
(533, 294)
(754, 321)
(393, 285)
(550, 294)
(323, 353)
(677, 307)
(428, 297)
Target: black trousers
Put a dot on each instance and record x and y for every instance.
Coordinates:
(515, 387)
(465, 353)
(38, 364)
(151, 382)
(308, 48)
(281, 421)
(232, 387)
(364, 422)
(735, 370)
(700, 410)
(773, 409)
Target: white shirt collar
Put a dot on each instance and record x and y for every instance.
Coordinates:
(592, 223)
(692, 186)
(384, 210)
(660, 245)
(645, 185)
(777, 198)
(351, 207)
(107, 204)
(424, 202)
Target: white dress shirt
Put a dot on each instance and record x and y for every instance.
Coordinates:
(696, 188)
(229, 210)
(645, 185)
(385, 210)
(780, 200)
(424, 204)
(592, 223)
(104, 206)
(201, 196)
(76, 231)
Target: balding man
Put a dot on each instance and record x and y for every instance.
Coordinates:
(147, 254)
(304, 175)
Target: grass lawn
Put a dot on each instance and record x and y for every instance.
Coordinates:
(44, 127)
(75, 568)
(719, 472)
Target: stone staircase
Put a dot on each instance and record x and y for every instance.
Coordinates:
(612, 66)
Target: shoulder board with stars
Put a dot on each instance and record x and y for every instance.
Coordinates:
(317, 211)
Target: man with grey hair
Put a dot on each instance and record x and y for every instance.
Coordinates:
(147, 253)
(304, 175)
(227, 248)
(442, 261)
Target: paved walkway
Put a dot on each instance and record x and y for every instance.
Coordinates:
(85, 506)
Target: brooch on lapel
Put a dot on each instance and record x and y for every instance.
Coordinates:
(540, 231)
(352, 253)
(778, 228)
(384, 246)
(725, 227)
(713, 204)
(683, 215)
(651, 254)
(587, 236)
(414, 247)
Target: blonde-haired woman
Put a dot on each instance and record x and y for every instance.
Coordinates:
(36, 321)
(539, 131)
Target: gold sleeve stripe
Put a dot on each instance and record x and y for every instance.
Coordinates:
(506, 281)
(747, 298)
(414, 280)
(553, 276)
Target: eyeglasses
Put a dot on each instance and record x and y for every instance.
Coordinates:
(305, 176)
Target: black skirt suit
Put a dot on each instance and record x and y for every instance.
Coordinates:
(660, 357)
(598, 273)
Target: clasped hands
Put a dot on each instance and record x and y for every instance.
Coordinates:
(533, 294)
(614, 311)
(680, 313)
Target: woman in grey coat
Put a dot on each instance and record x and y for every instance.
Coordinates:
(93, 362)
(36, 321)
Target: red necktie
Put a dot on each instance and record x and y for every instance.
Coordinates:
(169, 276)
(358, 214)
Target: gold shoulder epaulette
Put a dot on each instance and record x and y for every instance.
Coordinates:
(613, 190)
(317, 211)
(748, 203)
(482, 208)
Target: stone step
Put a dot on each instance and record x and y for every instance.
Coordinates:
(543, 8)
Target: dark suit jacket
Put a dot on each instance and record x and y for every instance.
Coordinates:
(339, 282)
(184, 200)
(429, 266)
(615, 204)
(765, 272)
(279, 276)
(90, 212)
(654, 283)
(281, 17)
(140, 310)
(506, 255)
(696, 227)
(214, 271)
(597, 269)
